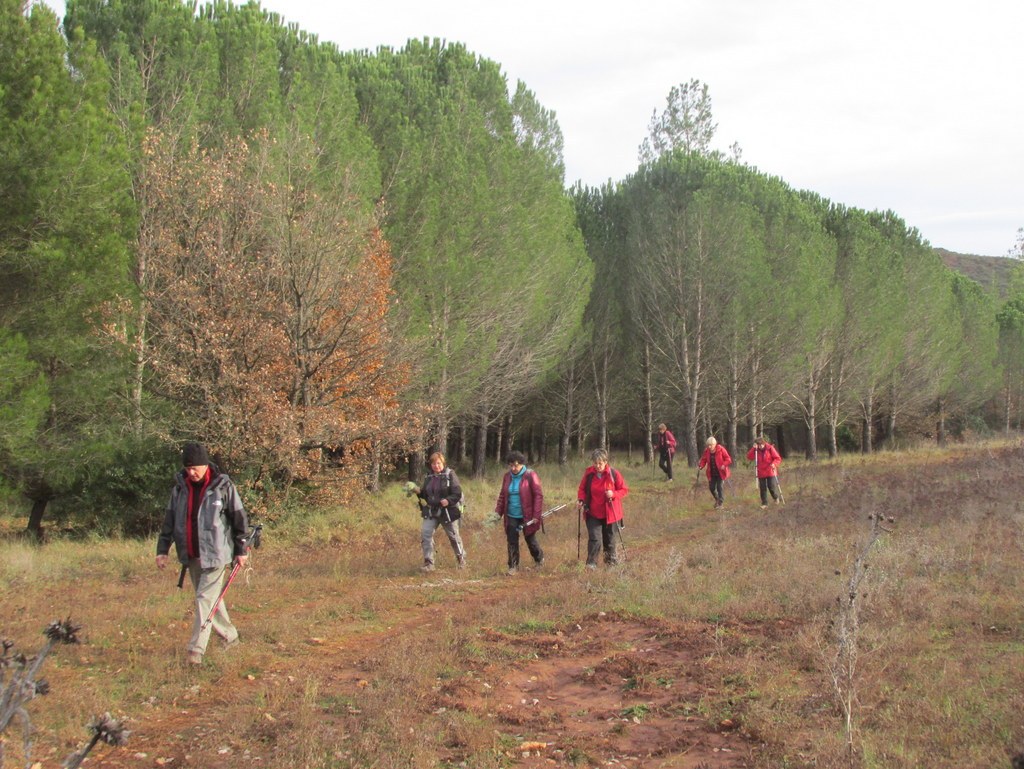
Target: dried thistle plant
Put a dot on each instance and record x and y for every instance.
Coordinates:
(104, 729)
(18, 679)
(19, 685)
(842, 655)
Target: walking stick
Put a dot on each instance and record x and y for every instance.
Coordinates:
(216, 604)
(251, 542)
(542, 516)
(579, 528)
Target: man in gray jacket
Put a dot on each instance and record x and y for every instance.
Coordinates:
(207, 523)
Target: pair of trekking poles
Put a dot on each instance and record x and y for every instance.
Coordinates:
(778, 485)
(579, 530)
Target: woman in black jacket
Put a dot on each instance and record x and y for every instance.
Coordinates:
(440, 497)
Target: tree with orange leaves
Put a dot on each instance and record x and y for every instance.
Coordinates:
(267, 302)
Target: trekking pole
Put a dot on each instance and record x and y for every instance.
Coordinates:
(542, 516)
(216, 604)
(778, 487)
(252, 541)
(579, 528)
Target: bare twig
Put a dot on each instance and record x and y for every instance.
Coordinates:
(842, 659)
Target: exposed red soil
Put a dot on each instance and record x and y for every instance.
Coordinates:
(606, 690)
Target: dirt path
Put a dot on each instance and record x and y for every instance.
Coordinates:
(604, 690)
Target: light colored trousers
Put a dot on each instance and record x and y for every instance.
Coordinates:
(427, 537)
(208, 584)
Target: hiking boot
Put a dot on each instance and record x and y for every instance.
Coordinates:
(427, 566)
(195, 658)
(591, 566)
(764, 507)
(232, 643)
(461, 561)
(512, 571)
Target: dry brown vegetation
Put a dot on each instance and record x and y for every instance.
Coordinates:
(709, 647)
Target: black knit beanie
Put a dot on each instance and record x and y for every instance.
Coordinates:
(194, 454)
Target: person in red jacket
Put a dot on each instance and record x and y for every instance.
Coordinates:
(715, 461)
(599, 500)
(767, 459)
(666, 449)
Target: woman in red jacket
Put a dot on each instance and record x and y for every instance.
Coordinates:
(666, 449)
(599, 500)
(767, 460)
(716, 461)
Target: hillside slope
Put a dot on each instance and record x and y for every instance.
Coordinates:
(991, 272)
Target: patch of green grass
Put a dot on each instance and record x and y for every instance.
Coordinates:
(528, 627)
(636, 712)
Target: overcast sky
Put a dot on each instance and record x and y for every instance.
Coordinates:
(909, 105)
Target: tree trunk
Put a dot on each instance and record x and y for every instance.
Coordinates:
(601, 394)
(480, 446)
(690, 430)
(940, 424)
(867, 430)
(35, 519)
(442, 432)
(647, 406)
(568, 416)
(1006, 410)
(504, 447)
(780, 441)
(833, 440)
(733, 408)
(373, 479)
(812, 427)
(416, 465)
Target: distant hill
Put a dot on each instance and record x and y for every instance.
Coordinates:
(991, 272)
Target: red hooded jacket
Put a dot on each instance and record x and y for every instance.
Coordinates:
(767, 459)
(722, 461)
(599, 506)
(667, 441)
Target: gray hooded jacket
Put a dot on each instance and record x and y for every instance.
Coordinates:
(222, 522)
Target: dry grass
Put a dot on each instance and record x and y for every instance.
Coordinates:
(350, 658)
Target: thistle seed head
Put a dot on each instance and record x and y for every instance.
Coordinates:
(62, 631)
(109, 730)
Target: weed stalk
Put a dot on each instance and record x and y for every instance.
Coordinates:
(842, 660)
(20, 685)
